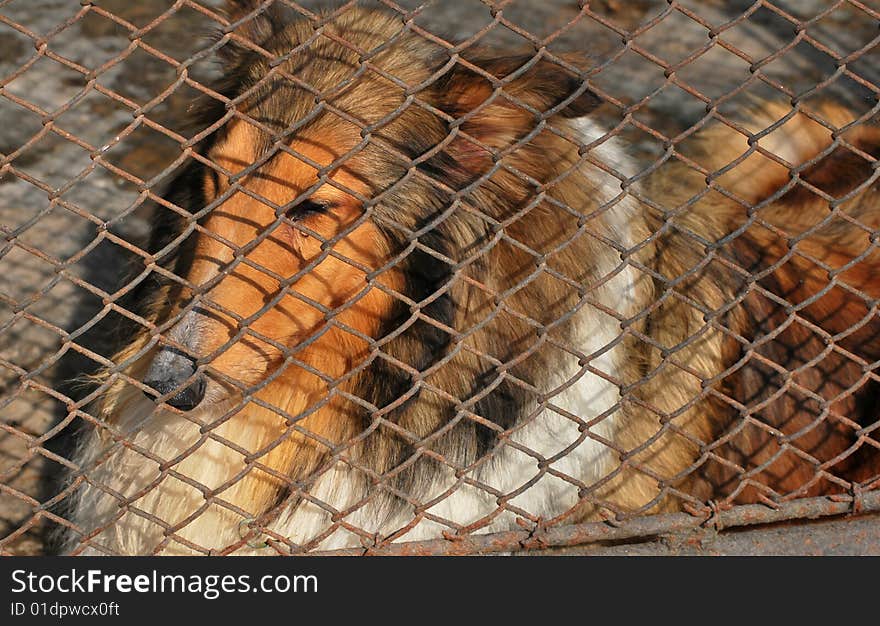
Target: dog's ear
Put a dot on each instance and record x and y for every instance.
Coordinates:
(253, 22)
(507, 97)
(541, 83)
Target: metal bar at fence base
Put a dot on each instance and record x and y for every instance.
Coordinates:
(597, 532)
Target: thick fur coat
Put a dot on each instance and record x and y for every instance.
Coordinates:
(426, 295)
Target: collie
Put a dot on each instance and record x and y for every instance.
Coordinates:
(401, 294)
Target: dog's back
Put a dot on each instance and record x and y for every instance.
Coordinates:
(795, 221)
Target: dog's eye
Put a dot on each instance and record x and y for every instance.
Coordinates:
(307, 208)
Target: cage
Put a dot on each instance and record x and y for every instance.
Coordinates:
(96, 103)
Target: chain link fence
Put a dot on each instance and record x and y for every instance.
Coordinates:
(371, 284)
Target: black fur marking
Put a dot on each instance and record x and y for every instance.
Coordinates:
(422, 344)
(443, 167)
(503, 406)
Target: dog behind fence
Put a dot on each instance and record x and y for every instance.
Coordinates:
(401, 291)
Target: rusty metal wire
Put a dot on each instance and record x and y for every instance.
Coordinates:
(138, 143)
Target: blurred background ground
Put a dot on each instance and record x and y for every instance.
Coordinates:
(50, 185)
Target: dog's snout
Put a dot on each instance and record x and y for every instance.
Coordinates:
(174, 372)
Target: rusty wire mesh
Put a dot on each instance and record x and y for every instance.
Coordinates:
(93, 101)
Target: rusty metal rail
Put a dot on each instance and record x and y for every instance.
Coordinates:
(599, 533)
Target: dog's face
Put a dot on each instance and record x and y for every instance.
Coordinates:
(280, 254)
(290, 263)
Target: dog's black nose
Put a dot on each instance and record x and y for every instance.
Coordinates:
(169, 373)
(186, 399)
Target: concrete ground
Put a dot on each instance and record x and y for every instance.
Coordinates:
(53, 195)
